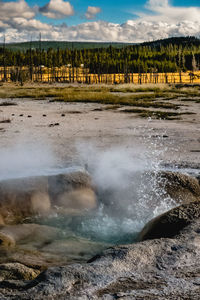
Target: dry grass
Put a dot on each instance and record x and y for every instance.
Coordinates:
(123, 88)
(148, 101)
(196, 100)
(136, 90)
(127, 94)
(6, 103)
(106, 98)
(163, 115)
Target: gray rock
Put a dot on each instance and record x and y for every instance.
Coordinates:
(17, 271)
(62, 183)
(170, 223)
(154, 269)
(180, 187)
(24, 197)
(167, 267)
(25, 233)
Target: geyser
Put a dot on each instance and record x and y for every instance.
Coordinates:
(128, 190)
(49, 212)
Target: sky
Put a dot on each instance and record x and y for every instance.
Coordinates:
(98, 20)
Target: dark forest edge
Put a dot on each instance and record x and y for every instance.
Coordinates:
(168, 55)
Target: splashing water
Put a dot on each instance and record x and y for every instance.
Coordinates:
(128, 191)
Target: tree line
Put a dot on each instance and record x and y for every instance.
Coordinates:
(144, 58)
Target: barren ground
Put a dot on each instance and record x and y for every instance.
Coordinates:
(61, 125)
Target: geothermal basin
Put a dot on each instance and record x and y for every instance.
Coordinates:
(67, 215)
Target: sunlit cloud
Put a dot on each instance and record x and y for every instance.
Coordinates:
(19, 21)
(91, 12)
(16, 9)
(163, 11)
(57, 9)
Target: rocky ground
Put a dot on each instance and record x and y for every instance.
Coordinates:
(164, 264)
(164, 268)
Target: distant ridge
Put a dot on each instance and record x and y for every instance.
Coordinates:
(189, 40)
(184, 41)
(63, 45)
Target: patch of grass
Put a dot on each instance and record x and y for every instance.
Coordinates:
(145, 96)
(112, 107)
(134, 110)
(131, 88)
(54, 92)
(190, 94)
(93, 89)
(190, 91)
(158, 105)
(74, 112)
(98, 109)
(135, 90)
(191, 100)
(23, 92)
(45, 92)
(149, 89)
(5, 121)
(5, 103)
(171, 97)
(163, 115)
(195, 151)
(107, 107)
(152, 96)
(87, 94)
(186, 85)
(108, 98)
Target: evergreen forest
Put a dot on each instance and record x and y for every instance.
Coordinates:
(169, 55)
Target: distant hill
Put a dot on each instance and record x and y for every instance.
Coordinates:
(96, 45)
(190, 40)
(63, 45)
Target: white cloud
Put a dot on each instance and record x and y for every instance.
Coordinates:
(30, 25)
(14, 16)
(57, 9)
(15, 9)
(92, 11)
(162, 20)
(152, 4)
(131, 31)
(163, 11)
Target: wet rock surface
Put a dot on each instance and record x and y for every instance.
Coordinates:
(17, 271)
(25, 197)
(164, 268)
(36, 262)
(170, 223)
(181, 187)
(27, 204)
(35, 234)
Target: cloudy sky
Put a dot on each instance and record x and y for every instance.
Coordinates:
(98, 20)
